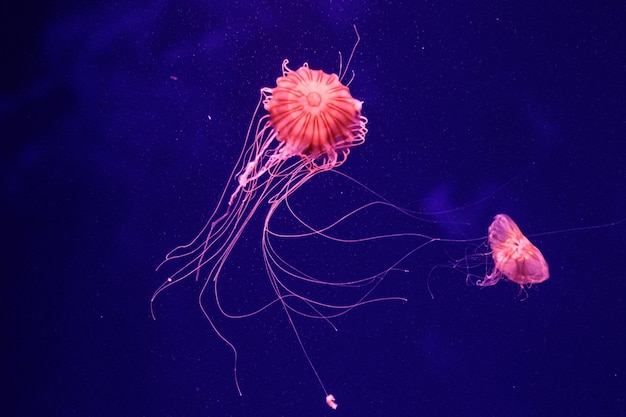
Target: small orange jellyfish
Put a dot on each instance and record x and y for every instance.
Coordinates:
(330, 400)
(515, 258)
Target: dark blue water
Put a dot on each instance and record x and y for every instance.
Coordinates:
(120, 124)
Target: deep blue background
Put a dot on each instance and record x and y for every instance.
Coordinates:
(108, 163)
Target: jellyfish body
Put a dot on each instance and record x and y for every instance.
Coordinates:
(514, 257)
(314, 114)
(312, 124)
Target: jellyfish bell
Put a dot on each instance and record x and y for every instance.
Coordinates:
(314, 114)
(515, 257)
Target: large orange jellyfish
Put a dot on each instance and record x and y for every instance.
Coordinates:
(514, 257)
(312, 124)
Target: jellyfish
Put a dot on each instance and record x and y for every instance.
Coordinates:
(311, 125)
(514, 257)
